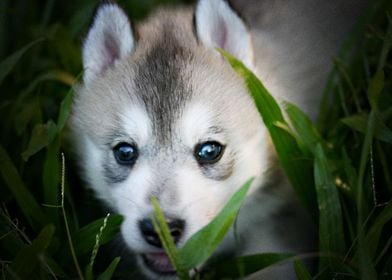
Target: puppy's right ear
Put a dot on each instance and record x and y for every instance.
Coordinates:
(217, 25)
(109, 40)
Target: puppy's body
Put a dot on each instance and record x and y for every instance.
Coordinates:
(295, 43)
(162, 114)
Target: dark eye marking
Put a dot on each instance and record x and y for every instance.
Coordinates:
(125, 153)
(208, 152)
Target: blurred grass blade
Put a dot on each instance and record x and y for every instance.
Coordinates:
(387, 44)
(108, 273)
(41, 137)
(331, 233)
(88, 273)
(375, 231)
(301, 271)
(85, 237)
(360, 123)
(8, 64)
(26, 201)
(65, 219)
(243, 266)
(355, 40)
(12, 238)
(203, 243)
(56, 268)
(65, 109)
(387, 270)
(375, 88)
(53, 75)
(81, 18)
(297, 169)
(51, 179)
(376, 85)
(51, 173)
(366, 267)
(161, 227)
(28, 260)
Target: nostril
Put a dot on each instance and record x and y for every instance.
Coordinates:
(176, 229)
(149, 234)
(176, 233)
(146, 227)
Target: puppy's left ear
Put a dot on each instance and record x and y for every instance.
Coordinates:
(217, 25)
(109, 40)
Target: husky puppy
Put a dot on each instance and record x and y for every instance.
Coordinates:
(160, 113)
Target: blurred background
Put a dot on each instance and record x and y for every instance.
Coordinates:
(41, 210)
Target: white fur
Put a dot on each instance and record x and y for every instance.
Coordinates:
(110, 39)
(137, 124)
(219, 27)
(131, 199)
(93, 170)
(194, 125)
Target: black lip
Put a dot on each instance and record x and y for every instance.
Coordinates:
(154, 268)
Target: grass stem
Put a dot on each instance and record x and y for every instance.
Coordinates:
(75, 260)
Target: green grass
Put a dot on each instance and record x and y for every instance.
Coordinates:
(340, 166)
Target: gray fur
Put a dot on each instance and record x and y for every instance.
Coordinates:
(219, 171)
(160, 82)
(115, 173)
(305, 36)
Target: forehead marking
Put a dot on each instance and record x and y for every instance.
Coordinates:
(161, 83)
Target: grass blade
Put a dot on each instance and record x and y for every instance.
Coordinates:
(374, 233)
(41, 137)
(367, 270)
(331, 233)
(301, 271)
(203, 243)
(303, 126)
(28, 260)
(360, 123)
(12, 238)
(163, 231)
(51, 172)
(65, 110)
(51, 178)
(67, 230)
(297, 169)
(387, 270)
(108, 273)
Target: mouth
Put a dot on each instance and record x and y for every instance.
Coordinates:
(159, 263)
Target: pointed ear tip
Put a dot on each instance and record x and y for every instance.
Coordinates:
(110, 22)
(108, 13)
(107, 7)
(212, 3)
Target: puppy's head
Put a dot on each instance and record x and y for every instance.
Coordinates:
(162, 114)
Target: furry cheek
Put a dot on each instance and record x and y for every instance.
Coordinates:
(220, 171)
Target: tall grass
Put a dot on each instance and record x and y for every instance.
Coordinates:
(340, 167)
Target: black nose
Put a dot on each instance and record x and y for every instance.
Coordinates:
(149, 234)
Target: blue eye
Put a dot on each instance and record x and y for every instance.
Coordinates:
(208, 152)
(125, 154)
